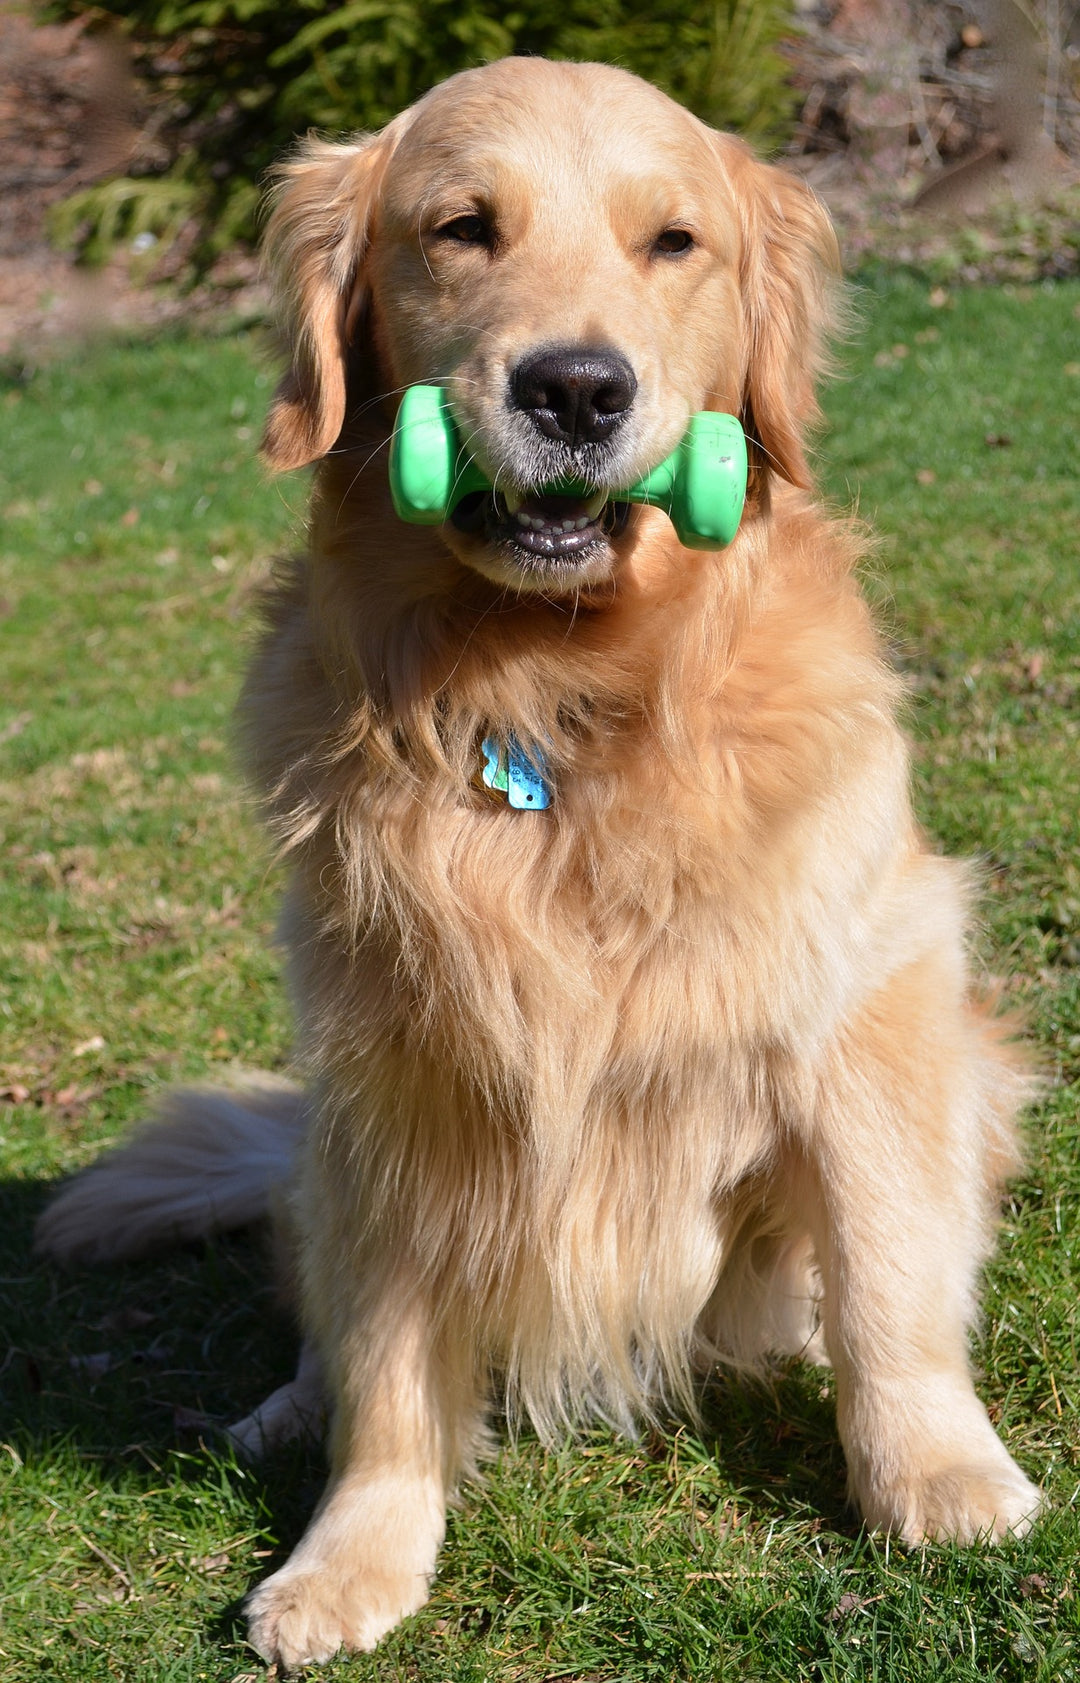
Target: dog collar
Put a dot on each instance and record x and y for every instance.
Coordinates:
(519, 776)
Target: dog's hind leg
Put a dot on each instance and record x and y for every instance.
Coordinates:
(909, 1133)
(767, 1301)
(295, 1410)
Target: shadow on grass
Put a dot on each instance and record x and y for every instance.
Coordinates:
(135, 1362)
(137, 1349)
(776, 1440)
(137, 1367)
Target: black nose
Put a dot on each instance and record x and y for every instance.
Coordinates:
(575, 395)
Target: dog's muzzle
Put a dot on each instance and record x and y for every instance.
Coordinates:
(574, 400)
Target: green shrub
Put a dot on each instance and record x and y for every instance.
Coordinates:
(232, 81)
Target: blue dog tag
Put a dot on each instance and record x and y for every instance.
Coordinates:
(494, 767)
(526, 785)
(508, 770)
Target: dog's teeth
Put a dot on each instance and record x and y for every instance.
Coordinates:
(513, 500)
(545, 524)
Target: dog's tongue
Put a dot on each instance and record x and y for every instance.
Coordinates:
(555, 521)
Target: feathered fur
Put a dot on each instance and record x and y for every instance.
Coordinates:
(209, 1161)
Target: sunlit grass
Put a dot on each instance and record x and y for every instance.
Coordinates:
(137, 917)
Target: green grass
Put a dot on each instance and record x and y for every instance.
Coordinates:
(137, 922)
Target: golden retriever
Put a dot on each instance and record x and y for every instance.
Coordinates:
(684, 1069)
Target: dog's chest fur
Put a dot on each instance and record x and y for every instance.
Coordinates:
(586, 1019)
(684, 890)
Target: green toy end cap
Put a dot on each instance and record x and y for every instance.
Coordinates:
(422, 453)
(710, 483)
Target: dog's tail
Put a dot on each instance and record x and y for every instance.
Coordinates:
(210, 1161)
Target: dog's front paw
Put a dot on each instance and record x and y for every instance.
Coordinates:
(303, 1616)
(964, 1502)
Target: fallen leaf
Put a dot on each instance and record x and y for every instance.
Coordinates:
(15, 726)
(123, 1320)
(96, 1043)
(192, 1420)
(94, 1367)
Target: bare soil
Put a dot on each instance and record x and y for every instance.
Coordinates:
(63, 125)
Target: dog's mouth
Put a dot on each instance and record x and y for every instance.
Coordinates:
(556, 529)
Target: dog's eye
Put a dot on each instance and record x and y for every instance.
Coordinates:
(465, 230)
(673, 242)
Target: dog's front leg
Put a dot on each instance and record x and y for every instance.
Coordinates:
(406, 1413)
(911, 1133)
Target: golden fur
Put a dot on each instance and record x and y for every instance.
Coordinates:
(684, 1069)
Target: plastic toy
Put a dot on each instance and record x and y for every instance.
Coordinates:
(700, 486)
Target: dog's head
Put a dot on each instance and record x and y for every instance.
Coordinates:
(583, 265)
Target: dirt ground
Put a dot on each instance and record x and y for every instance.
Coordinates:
(46, 80)
(62, 126)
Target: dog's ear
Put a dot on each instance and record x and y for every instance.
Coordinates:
(315, 245)
(790, 277)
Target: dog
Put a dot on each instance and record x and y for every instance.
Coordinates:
(687, 1067)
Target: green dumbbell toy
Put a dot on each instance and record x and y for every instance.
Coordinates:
(700, 486)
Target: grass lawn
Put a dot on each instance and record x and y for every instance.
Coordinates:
(135, 949)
